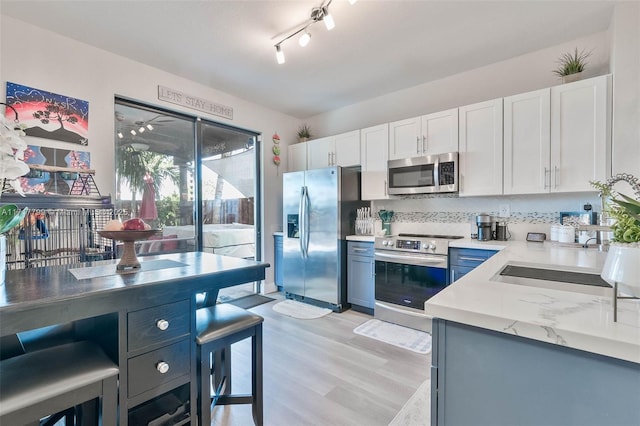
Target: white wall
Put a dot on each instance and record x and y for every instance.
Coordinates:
(39, 58)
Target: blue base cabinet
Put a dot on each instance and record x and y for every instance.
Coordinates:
(277, 256)
(464, 260)
(360, 276)
(484, 377)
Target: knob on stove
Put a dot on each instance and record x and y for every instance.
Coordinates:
(431, 245)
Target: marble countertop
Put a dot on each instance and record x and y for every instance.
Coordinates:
(566, 318)
(365, 238)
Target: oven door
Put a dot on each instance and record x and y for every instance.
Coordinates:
(408, 280)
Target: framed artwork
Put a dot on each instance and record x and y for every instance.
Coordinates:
(49, 115)
(42, 182)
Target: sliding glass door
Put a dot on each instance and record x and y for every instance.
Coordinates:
(196, 180)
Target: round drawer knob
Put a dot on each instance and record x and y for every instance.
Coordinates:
(162, 367)
(162, 324)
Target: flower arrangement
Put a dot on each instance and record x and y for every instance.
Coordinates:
(12, 148)
(625, 210)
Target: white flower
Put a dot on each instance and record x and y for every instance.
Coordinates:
(12, 148)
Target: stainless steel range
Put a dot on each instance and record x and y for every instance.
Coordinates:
(410, 268)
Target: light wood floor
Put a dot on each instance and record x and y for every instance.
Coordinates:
(318, 372)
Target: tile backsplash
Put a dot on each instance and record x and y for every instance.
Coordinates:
(454, 215)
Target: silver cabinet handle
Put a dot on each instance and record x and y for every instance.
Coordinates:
(417, 144)
(424, 141)
(162, 367)
(545, 178)
(556, 176)
(360, 250)
(385, 188)
(472, 259)
(162, 324)
(453, 275)
(328, 158)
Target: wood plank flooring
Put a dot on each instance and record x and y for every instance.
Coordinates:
(318, 372)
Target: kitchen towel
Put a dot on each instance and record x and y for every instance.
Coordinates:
(295, 309)
(402, 337)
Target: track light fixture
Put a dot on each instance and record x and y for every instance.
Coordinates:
(320, 13)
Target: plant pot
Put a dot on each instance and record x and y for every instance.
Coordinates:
(570, 78)
(303, 139)
(623, 266)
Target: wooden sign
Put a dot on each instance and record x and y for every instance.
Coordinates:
(179, 98)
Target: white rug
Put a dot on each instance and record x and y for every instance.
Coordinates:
(403, 337)
(417, 410)
(295, 309)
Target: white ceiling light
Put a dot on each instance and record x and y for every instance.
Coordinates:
(133, 132)
(120, 135)
(279, 54)
(141, 129)
(149, 126)
(352, 2)
(304, 39)
(320, 13)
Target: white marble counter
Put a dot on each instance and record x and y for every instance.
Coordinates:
(364, 238)
(575, 320)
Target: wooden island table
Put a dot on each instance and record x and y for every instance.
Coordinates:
(143, 319)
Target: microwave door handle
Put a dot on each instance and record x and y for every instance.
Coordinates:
(436, 175)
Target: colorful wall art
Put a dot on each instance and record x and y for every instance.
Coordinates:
(49, 115)
(44, 182)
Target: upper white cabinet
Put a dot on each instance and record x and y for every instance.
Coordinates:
(480, 160)
(434, 133)
(374, 148)
(297, 157)
(580, 134)
(340, 150)
(527, 142)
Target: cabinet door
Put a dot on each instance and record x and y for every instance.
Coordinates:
(580, 134)
(347, 149)
(319, 153)
(481, 148)
(360, 284)
(440, 132)
(527, 140)
(297, 157)
(374, 148)
(405, 139)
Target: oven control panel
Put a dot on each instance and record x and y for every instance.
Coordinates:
(426, 245)
(408, 244)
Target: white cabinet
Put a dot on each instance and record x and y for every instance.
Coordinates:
(374, 148)
(339, 150)
(580, 134)
(557, 139)
(480, 160)
(434, 133)
(527, 142)
(297, 157)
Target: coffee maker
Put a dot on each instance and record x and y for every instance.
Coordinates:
(483, 221)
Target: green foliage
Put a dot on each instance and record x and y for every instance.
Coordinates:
(304, 131)
(572, 63)
(626, 212)
(169, 210)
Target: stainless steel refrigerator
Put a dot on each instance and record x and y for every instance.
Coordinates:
(319, 210)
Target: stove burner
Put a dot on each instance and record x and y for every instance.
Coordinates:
(445, 237)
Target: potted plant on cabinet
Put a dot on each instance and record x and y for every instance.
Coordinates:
(622, 266)
(571, 65)
(304, 133)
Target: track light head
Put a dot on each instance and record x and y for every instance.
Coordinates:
(329, 23)
(304, 39)
(279, 54)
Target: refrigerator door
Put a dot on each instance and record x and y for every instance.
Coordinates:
(322, 262)
(293, 274)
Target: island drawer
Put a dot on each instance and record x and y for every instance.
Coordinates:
(360, 248)
(158, 324)
(469, 257)
(154, 368)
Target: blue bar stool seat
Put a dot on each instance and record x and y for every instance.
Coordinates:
(36, 384)
(218, 327)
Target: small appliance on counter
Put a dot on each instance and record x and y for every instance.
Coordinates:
(502, 231)
(483, 221)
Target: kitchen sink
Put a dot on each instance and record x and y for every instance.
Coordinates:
(579, 280)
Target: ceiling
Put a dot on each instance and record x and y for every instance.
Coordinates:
(377, 47)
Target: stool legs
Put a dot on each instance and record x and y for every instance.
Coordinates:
(257, 378)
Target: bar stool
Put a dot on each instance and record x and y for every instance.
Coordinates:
(218, 327)
(37, 384)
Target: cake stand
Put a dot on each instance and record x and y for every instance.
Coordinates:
(128, 259)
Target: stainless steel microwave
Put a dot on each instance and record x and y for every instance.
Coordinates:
(423, 175)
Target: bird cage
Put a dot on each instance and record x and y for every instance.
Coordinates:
(59, 231)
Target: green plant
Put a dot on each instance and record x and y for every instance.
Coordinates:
(572, 63)
(625, 210)
(304, 131)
